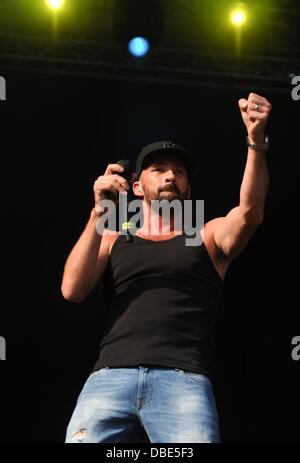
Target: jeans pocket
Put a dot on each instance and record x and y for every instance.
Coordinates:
(194, 377)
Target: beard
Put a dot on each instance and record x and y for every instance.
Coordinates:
(167, 194)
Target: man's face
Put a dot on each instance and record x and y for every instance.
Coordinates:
(164, 177)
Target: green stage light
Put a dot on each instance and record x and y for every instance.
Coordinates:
(238, 16)
(55, 4)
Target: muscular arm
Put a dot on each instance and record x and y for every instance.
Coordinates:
(232, 232)
(89, 257)
(254, 186)
(86, 263)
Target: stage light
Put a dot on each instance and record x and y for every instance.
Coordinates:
(238, 16)
(55, 4)
(138, 46)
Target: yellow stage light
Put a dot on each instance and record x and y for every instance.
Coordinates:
(55, 4)
(238, 16)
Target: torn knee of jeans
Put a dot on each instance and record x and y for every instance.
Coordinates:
(80, 435)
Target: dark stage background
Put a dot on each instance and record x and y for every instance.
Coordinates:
(58, 133)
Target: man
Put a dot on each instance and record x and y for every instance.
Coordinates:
(153, 377)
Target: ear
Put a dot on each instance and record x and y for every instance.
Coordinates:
(137, 189)
(189, 192)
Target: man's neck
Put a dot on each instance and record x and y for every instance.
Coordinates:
(155, 224)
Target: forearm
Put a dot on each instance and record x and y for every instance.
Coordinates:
(80, 266)
(255, 185)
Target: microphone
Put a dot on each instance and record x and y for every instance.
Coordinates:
(126, 225)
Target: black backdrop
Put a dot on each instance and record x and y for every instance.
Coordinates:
(57, 135)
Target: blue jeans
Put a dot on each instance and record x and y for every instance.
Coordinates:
(139, 404)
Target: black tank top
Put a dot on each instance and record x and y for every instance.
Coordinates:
(162, 298)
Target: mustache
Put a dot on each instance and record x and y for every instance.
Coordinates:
(169, 188)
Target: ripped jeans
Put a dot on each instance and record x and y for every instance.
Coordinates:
(139, 404)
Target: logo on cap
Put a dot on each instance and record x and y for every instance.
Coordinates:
(168, 144)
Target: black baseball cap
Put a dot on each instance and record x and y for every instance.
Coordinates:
(164, 147)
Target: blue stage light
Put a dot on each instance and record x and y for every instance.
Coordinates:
(138, 46)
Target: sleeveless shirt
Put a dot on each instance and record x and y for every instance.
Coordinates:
(162, 300)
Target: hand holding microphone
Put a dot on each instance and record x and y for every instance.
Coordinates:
(126, 225)
(109, 185)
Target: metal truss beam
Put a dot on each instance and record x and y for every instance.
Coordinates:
(164, 65)
(103, 58)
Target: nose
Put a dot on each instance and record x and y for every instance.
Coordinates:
(170, 175)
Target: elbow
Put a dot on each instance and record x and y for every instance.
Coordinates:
(253, 217)
(70, 295)
(256, 220)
